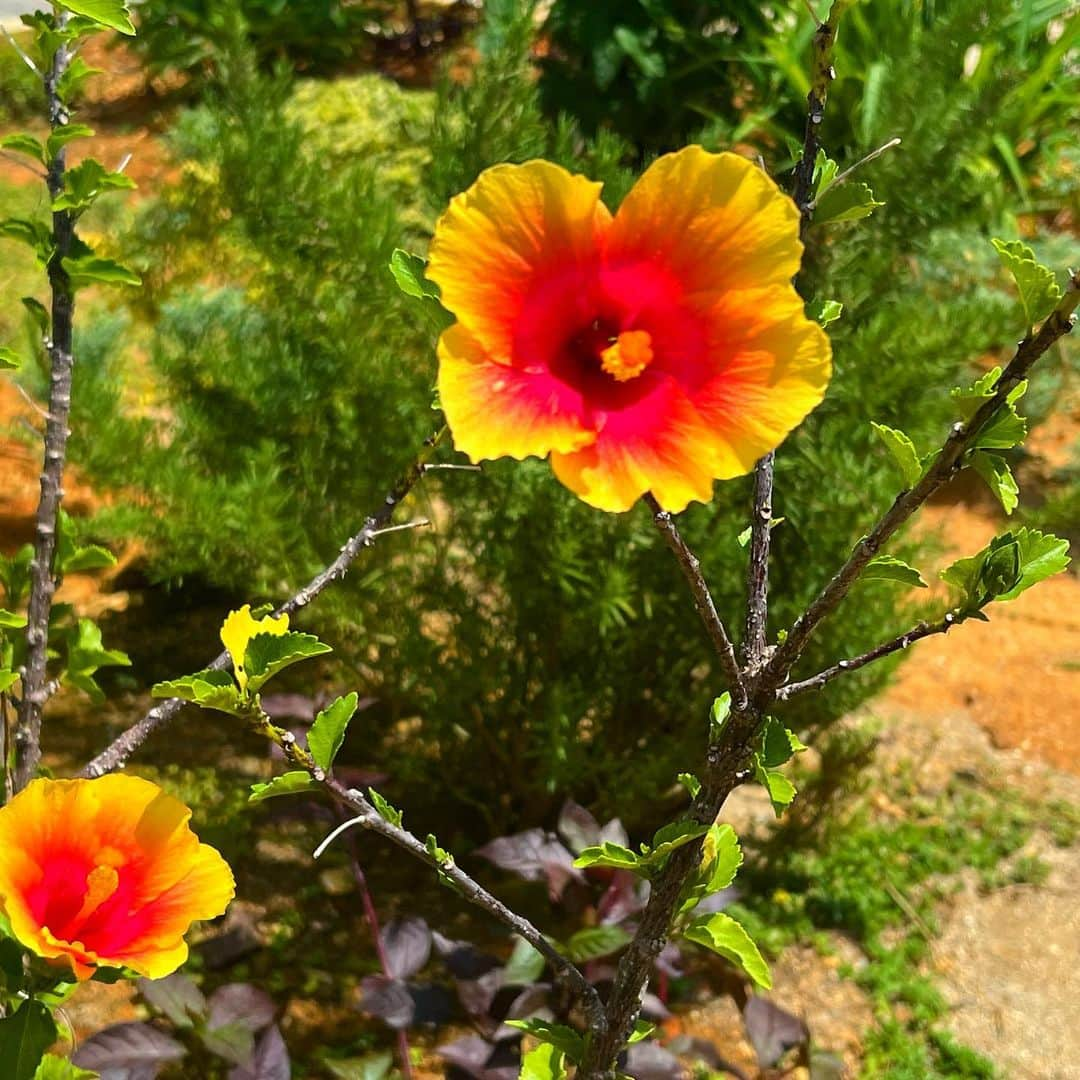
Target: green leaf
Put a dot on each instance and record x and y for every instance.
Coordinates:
(721, 858)
(71, 83)
(824, 312)
(596, 941)
(290, 783)
(1038, 288)
(63, 135)
(888, 568)
(560, 1036)
(776, 744)
(85, 182)
(1006, 428)
(37, 312)
(91, 557)
(110, 13)
(8, 679)
(86, 654)
(208, 689)
(1008, 566)
(825, 170)
(672, 836)
(11, 620)
(642, 1030)
(384, 809)
(781, 790)
(58, 1068)
(35, 234)
(267, 654)
(408, 271)
(91, 270)
(610, 854)
(718, 715)
(24, 143)
(903, 451)
(524, 966)
(995, 470)
(328, 732)
(24, 1037)
(691, 783)
(543, 1062)
(744, 537)
(439, 854)
(1041, 556)
(9, 359)
(848, 202)
(725, 936)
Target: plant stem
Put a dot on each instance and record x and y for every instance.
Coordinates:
(61, 361)
(757, 572)
(120, 749)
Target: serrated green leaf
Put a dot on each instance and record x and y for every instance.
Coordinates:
(824, 312)
(24, 143)
(725, 936)
(596, 941)
(35, 234)
(848, 202)
(610, 854)
(721, 857)
(92, 270)
(988, 575)
(672, 836)
(691, 783)
(1036, 284)
(208, 689)
(86, 654)
(387, 812)
(85, 182)
(563, 1038)
(71, 83)
(718, 715)
(439, 854)
(524, 966)
(61, 136)
(1042, 555)
(328, 732)
(25, 1035)
(999, 478)
(776, 744)
(267, 654)
(903, 452)
(543, 1062)
(781, 790)
(408, 271)
(9, 359)
(91, 557)
(111, 13)
(290, 783)
(825, 170)
(888, 568)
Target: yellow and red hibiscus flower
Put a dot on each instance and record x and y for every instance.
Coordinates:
(656, 350)
(106, 873)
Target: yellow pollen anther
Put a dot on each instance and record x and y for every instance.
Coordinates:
(628, 356)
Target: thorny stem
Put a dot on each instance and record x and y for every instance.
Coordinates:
(117, 753)
(34, 691)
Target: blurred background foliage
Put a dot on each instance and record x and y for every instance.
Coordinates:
(252, 402)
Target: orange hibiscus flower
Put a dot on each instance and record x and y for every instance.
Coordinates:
(106, 873)
(656, 350)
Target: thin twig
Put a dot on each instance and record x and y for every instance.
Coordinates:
(116, 754)
(703, 600)
(847, 173)
(757, 571)
(61, 363)
(946, 464)
(842, 667)
(26, 58)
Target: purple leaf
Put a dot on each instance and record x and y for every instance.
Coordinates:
(128, 1052)
(235, 1042)
(476, 995)
(652, 1008)
(578, 827)
(705, 1050)
(470, 1054)
(772, 1030)
(243, 1004)
(238, 939)
(176, 996)
(432, 1004)
(625, 896)
(462, 959)
(534, 855)
(669, 960)
(271, 1059)
(387, 999)
(407, 944)
(650, 1061)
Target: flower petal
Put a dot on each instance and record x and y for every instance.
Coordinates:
(499, 240)
(656, 442)
(496, 410)
(716, 221)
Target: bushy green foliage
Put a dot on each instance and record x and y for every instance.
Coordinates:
(21, 94)
(528, 646)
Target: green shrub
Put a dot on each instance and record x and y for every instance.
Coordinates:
(527, 647)
(21, 94)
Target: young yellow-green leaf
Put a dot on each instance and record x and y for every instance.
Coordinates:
(543, 1062)
(290, 783)
(36, 310)
(721, 858)
(387, 812)
(9, 359)
(781, 790)
(11, 620)
(642, 1030)
(408, 271)
(672, 836)
(524, 966)
(563, 1038)
(92, 270)
(267, 654)
(825, 170)
(725, 936)
(824, 312)
(888, 568)
(58, 1068)
(596, 941)
(208, 689)
(8, 679)
(995, 470)
(776, 744)
(610, 854)
(744, 537)
(903, 451)
(1008, 566)
(848, 202)
(111, 13)
(63, 135)
(328, 732)
(24, 143)
(86, 181)
(35, 234)
(691, 783)
(1041, 556)
(718, 715)
(1038, 288)
(71, 83)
